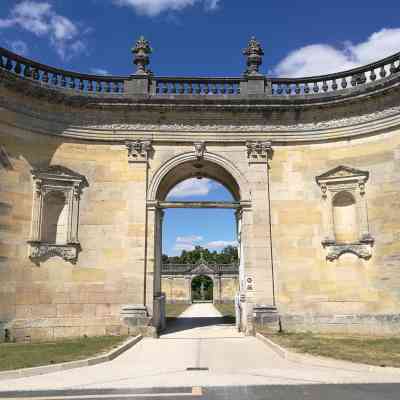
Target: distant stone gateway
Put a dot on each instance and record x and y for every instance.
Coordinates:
(87, 162)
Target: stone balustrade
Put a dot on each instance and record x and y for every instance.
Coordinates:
(183, 269)
(58, 78)
(332, 83)
(196, 87)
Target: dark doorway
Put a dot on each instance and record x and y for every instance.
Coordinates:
(202, 289)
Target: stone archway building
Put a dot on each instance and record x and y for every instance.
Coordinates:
(176, 281)
(300, 157)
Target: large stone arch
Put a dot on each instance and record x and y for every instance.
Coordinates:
(214, 166)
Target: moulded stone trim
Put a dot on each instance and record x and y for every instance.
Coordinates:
(185, 157)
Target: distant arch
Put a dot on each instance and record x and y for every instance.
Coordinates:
(202, 289)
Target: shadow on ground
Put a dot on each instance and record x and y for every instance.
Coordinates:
(183, 324)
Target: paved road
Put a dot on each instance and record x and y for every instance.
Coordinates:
(301, 392)
(199, 350)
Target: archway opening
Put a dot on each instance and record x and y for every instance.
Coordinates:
(200, 257)
(202, 289)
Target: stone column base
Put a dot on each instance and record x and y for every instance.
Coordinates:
(137, 318)
(266, 317)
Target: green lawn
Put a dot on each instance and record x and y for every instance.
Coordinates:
(367, 350)
(174, 310)
(23, 355)
(228, 311)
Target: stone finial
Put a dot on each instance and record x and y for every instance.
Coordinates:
(142, 51)
(254, 53)
(138, 150)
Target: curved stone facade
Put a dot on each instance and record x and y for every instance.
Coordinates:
(285, 157)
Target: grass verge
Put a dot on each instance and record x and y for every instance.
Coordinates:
(228, 312)
(24, 355)
(174, 310)
(377, 351)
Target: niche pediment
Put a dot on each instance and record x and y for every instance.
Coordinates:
(202, 269)
(341, 173)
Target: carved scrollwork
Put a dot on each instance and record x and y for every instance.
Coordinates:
(40, 251)
(363, 251)
(259, 152)
(138, 150)
(199, 149)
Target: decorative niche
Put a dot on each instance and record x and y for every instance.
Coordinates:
(55, 215)
(345, 214)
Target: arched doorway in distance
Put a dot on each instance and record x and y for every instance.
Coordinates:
(202, 289)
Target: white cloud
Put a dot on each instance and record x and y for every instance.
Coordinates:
(189, 239)
(19, 47)
(192, 187)
(320, 59)
(99, 71)
(152, 8)
(220, 244)
(40, 19)
(186, 242)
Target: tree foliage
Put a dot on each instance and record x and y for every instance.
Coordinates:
(227, 255)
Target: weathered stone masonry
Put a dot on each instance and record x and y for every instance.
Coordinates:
(86, 163)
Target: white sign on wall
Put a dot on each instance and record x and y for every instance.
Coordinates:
(249, 283)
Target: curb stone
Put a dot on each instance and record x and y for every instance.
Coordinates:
(46, 369)
(324, 362)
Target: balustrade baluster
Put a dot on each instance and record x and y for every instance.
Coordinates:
(344, 83)
(116, 87)
(334, 85)
(182, 88)
(63, 81)
(214, 88)
(206, 88)
(108, 87)
(316, 87)
(325, 86)
(190, 88)
(353, 80)
(90, 86)
(81, 84)
(1, 62)
(99, 86)
(362, 78)
(280, 88)
(298, 88)
(165, 88)
(27, 71)
(72, 83)
(393, 68)
(223, 88)
(382, 72)
(36, 74)
(288, 88)
(372, 76)
(306, 88)
(54, 79)
(174, 88)
(9, 65)
(231, 89)
(18, 68)
(45, 77)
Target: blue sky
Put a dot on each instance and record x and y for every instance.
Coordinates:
(185, 228)
(206, 38)
(201, 37)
